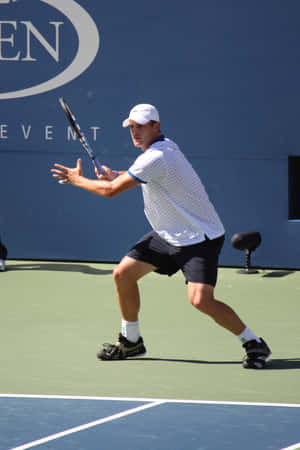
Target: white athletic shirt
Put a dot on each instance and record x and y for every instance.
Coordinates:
(175, 201)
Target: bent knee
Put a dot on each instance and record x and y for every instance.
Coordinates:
(202, 298)
(203, 304)
(120, 272)
(131, 269)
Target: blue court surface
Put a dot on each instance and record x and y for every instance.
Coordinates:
(90, 423)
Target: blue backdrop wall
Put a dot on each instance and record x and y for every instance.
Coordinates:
(224, 75)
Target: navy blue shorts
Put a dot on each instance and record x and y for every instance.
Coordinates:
(198, 262)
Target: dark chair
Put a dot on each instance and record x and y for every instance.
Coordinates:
(248, 241)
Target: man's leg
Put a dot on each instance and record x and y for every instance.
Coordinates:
(202, 297)
(130, 343)
(126, 276)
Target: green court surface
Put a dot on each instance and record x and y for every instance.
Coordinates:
(55, 316)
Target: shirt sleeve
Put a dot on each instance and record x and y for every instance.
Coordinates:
(148, 166)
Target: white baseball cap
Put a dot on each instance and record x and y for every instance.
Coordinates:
(142, 114)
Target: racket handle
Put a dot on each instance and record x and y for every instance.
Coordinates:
(98, 166)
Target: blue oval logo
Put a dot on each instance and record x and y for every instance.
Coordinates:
(87, 49)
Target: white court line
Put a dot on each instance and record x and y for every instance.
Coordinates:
(292, 447)
(163, 400)
(153, 402)
(87, 425)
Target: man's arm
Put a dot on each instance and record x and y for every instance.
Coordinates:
(101, 186)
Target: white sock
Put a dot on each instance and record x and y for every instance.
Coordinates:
(131, 330)
(247, 335)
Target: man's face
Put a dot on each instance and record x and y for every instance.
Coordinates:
(143, 135)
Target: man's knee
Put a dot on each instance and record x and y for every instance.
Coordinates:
(120, 272)
(201, 296)
(130, 269)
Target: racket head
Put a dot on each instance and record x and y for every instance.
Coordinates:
(70, 117)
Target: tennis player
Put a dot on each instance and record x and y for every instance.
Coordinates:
(187, 234)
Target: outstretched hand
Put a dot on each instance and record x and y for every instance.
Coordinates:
(67, 174)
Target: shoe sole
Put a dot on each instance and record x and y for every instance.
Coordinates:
(139, 355)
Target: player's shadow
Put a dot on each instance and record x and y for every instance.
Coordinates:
(59, 267)
(272, 364)
(188, 361)
(283, 364)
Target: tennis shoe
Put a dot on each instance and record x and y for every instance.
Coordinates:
(122, 349)
(2, 265)
(257, 353)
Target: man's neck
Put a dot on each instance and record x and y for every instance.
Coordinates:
(159, 137)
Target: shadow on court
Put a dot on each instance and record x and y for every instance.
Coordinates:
(278, 274)
(187, 361)
(272, 364)
(283, 364)
(59, 267)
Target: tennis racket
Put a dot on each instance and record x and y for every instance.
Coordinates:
(80, 135)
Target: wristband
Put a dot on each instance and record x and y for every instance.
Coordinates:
(116, 173)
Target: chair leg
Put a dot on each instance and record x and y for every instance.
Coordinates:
(248, 269)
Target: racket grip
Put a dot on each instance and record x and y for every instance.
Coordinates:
(98, 166)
